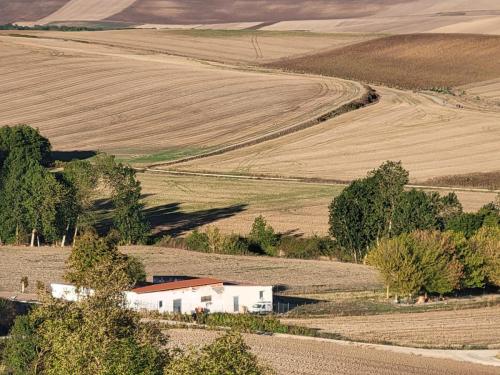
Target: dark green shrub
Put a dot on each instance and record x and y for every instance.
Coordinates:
(262, 237)
(7, 315)
(197, 241)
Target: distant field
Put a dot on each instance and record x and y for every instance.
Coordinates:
(141, 104)
(443, 329)
(418, 61)
(47, 265)
(27, 10)
(233, 46)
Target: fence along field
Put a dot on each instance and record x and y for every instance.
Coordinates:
(90, 97)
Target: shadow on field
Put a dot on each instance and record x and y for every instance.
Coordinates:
(170, 220)
(72, 155)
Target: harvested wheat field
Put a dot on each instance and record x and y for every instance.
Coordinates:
(298, 356)
(428, 132)
(86, 97)
(47, 265)
(479, 327)
(417, 61)
(229, 46)
(27, 10)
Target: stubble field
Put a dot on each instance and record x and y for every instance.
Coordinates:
(473, 328)
(296, 356)
(47, 265)
(88, 97)
(433, 135)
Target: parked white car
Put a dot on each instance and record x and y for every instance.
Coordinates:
(261, 308)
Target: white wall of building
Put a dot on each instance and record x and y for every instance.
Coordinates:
(211, 297)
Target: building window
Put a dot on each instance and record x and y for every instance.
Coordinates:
(177, 306)
(261, 294)
(206, 299)
(160, 304)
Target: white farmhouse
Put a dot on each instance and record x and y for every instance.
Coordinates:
(188, 296)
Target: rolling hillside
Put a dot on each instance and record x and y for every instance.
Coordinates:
(392, 16)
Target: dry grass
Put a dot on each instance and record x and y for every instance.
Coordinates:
(179, 203)
(296, 356)
(47, 265)
(443, 329)
(89, 97)
(419, 61)
(426, 131)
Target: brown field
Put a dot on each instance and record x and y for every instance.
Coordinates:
(296, 356)
(441, 329)
(229, 46)
(47, 265)
(89, 97)
(417, 61)
(426, 131)
(27, 10)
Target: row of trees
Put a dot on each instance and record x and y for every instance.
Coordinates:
(97, 335)
(378, 207)
(438, 262)
(50, 206)
(421, 242)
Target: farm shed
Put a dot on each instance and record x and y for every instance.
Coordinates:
(185, 296)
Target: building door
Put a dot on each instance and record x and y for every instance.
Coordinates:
(236, 304)
(177, 306)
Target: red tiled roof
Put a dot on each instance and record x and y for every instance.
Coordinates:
(176, 285)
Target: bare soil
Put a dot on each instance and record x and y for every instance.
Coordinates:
(418, 61)
(294, 356)
(473, 328)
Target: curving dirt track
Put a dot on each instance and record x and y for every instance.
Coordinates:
(427, 132)
(88, 97)
(294, 356)
(438, 329)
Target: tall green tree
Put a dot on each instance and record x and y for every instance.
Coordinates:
(487, 243)
(262, 236)
(415, 210)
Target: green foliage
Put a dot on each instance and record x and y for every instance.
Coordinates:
(27, 143)
(470, 223)
(262, 237)
(419, 261)
(312, 248)
(472, 260)
(7, 315)
(90, 251)
(22, 349)
(197, 241)
(415, 210)
(487, 243)
(227, 355)
(128, 217)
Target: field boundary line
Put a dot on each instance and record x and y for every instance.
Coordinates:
(368, 98)
(307, 180)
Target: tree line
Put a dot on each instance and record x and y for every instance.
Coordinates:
(421, 242)
(41, 204)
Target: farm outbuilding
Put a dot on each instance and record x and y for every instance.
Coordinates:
(187, 296)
